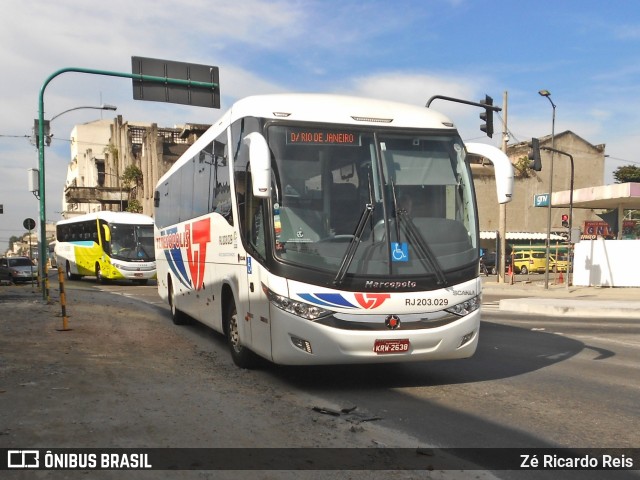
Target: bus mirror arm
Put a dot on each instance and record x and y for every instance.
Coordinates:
(260, 160)
(502, 166)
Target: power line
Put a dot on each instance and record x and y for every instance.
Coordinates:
(622, 160)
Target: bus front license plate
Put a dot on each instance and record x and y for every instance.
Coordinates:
(383, 347)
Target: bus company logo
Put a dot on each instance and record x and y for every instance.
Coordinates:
(392, 322)
(371, 300)
(186, 251)
(368, 301)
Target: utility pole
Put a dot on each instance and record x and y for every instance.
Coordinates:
(502, 222)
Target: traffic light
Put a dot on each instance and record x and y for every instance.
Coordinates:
(487, 116)
(534, 155)
(47, 132)
(565, 220)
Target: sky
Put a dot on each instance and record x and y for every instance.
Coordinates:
(585, 52)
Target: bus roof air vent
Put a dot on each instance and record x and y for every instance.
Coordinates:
(281, 114)
(448, 124)
(372, 119)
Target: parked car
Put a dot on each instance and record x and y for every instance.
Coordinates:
(529, 261)
(18, 269)
(489, 261)
(560, 264)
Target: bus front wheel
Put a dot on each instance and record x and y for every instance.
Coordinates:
(99, 277)
(241, 355)
(177, 316)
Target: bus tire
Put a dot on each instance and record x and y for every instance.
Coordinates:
(70, 276)
(178, 317)
(99, 277)
(241, 355)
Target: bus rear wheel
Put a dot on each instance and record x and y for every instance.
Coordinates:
(241, 355)
(70, 276)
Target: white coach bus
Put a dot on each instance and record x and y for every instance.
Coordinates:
(320, 229)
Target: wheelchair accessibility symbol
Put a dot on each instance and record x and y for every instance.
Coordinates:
(399, 252)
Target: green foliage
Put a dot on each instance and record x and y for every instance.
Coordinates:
(522, 168)
(13, 240)
(112, 150)
(132, 176)
(627, 173)
(134, 206)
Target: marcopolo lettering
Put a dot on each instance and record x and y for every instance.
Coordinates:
(390, 284)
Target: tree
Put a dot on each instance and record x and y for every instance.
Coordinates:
(132, 179)
(134, 206)
(132, 176)
(13, 240)
(627, 173)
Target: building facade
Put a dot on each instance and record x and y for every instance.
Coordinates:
(104, 154)
(521, 214)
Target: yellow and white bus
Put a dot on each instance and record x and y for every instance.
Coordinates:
(321, 229)
(107, 245)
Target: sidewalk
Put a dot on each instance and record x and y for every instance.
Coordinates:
(529, 296)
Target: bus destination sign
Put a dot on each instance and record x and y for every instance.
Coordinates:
(322, 137)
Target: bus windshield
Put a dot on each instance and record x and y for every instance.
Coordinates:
(406, 197)
(132, 242)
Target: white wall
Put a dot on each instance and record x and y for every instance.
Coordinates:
(607, 263)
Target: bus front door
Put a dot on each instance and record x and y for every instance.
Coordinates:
(257, 315)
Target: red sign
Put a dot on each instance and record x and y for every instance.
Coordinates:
(603, 229)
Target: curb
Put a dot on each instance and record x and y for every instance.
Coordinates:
(576, 308)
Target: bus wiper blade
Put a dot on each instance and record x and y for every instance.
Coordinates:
(415, 237)
(353, 244)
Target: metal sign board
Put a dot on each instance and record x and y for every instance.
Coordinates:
(29, 223)
(541, 200)
(184, 94)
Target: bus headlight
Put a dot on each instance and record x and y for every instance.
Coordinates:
(466, 307)
(301, 309)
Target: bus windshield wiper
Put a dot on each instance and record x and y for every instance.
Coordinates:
(357, 234)
(414, 236)
(353, 244)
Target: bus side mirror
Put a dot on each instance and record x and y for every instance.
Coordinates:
(260, 160)
(107, 233)
(156, 199)
(503, 168)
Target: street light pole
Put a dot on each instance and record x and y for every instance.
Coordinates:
(40, 125)
(546, 93)
(210, 87)
(104, 106)
(552, 150)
